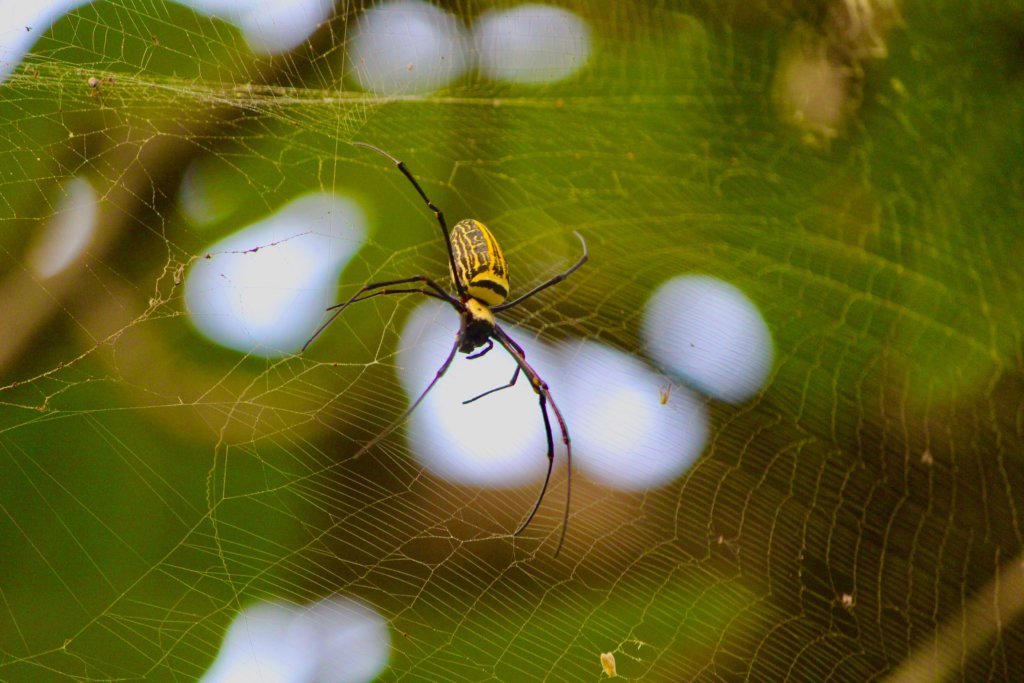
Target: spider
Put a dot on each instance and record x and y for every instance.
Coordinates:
(480, 275)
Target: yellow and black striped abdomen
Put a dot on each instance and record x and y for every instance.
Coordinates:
(479, 264)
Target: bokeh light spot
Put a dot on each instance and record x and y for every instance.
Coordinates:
(531, 43)
(336, 640)
(496, 441)
(711, 335)
(263, 289)
(68, 233)
(624, 436)
(269, 26)
(407, 47)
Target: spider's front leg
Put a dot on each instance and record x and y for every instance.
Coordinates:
(419, 399)
(511, 382)
(490, 345)
(382, 289)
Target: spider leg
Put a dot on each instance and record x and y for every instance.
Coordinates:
(511, 383)
(515, 375)
(384, 292)
(541, 387)
(401, 281)
(547, 477)
(412, 406)
(430, 205)
(438, 293)
(490, 345)
(553, 281)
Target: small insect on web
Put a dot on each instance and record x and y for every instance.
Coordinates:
(480, 274)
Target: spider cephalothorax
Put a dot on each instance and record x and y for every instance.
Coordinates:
(480, 275)
(479, 328)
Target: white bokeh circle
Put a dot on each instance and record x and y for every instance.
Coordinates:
(711, 335)
(497, 441)
(264, 289)
(69, 232)
(406, 47)
(624, 435)
(335, 640)
(531, 43)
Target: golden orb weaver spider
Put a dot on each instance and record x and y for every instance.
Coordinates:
(480, 274)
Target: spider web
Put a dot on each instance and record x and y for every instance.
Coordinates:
(858, 518)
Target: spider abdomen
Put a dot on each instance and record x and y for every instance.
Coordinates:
(479, 264)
